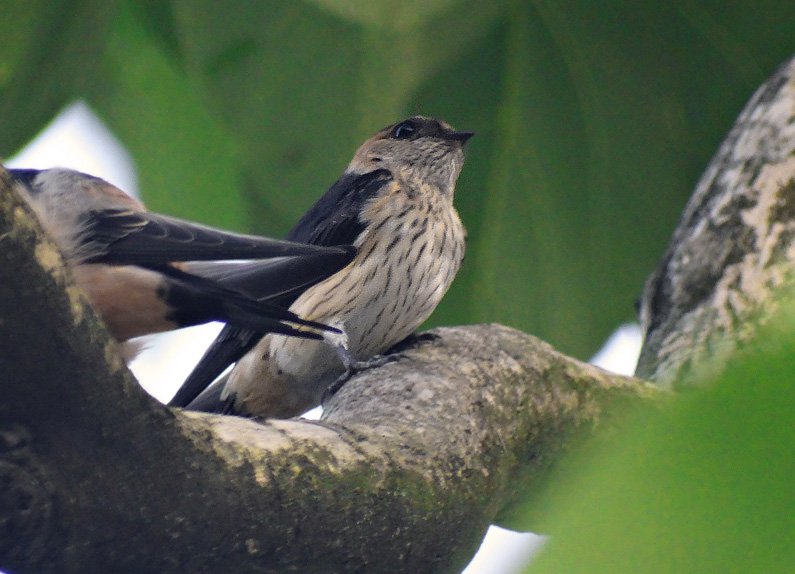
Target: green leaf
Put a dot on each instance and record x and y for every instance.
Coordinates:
(187, 160)
(599, 119)
(594, 120)
(703, 486)
(300, 88)
(387, 14)
(48, 57)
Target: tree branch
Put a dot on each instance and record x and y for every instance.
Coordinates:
(407, 469)
(410, 463)
(723, 273)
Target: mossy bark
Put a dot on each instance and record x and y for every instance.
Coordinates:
(734, 248)
(411, 461)
(404, 473)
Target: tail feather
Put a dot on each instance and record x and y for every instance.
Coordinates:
(231, 344)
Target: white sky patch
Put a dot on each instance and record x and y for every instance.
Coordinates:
(168, 358)
(620, 352)
(78, 139)
(504, 552)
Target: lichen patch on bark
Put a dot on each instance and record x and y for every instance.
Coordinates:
(734, 246)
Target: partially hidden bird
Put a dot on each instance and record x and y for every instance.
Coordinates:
(394, 203)
(134, 265)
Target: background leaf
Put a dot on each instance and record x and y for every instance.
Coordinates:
(48, 56)
(703, 486)
(594, 121)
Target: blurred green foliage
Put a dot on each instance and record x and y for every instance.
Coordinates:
(594, 120)
(703, 486)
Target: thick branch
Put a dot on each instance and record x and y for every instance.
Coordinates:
(733, 248)
(411, 461)
(409, 466)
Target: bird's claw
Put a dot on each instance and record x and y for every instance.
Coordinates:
(356, 367)
(353, 368)
(414, 340)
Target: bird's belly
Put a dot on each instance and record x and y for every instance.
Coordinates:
(303, 359)
(401, 296)
(388, 316)
(381, 298)
(282, 376)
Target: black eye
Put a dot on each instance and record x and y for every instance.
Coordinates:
(403, 131)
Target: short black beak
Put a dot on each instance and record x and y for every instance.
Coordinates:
(462, 137)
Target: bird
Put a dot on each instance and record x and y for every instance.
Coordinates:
(129, 261)
(394, 203)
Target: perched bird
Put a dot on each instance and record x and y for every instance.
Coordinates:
(395, 204)
(126, 260)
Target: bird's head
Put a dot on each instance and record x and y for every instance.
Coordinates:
(419, 150)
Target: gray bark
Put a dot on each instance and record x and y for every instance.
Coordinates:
(411, 461)
(407, 469)
(733, 248)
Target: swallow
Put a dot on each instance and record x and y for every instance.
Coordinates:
(394, 203)
(135, 265)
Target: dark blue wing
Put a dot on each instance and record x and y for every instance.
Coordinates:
(139, 238)
(332, 220)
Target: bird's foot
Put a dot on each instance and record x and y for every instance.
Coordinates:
(356, 367)
(414, 340)
(353, 367)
